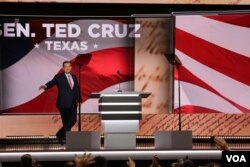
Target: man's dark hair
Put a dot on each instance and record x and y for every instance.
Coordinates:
(65, 62)
(188, 163)
(26, 161)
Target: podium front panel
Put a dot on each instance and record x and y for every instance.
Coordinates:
(117, 126)
(119, 99)
(121, 116)
(120, 106)
(120, 141)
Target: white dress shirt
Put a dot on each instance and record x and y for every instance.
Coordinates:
(68, 75)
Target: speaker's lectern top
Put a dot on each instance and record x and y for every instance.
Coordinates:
(119, 94)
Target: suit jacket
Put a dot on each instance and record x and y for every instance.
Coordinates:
(66, 97)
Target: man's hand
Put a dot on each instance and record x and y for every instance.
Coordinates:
(43, 87)
(84, 161)
(130, 162)
(221, 144)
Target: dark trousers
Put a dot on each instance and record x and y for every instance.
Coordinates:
(68, 116)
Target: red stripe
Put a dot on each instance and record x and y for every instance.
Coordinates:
(99, 74)
(189, 77)
(190, 109)
(234, 19)
(227, 62)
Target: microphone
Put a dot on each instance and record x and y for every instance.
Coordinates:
(177, 60)
(119, 74)
(173, 59)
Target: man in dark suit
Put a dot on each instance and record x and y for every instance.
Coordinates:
(67, 99)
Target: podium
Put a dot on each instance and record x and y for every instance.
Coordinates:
(120, 115)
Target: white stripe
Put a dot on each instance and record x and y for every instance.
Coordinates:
(228, 36)
(226, 86)
(194, 95)
(118, 104)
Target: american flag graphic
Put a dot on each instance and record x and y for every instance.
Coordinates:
(27, 63)
(215, 55)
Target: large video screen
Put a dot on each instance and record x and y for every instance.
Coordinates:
(33, 50)
(215, 57)
(214, 84)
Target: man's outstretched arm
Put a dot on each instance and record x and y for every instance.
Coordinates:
(49, 84)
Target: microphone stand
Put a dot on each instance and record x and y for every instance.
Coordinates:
(82, 59)
(79, 104)
(118, 72)
(179, 94)
(174, 60)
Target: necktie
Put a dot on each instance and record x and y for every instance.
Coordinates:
(69, 81)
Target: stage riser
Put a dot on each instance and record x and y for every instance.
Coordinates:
(139, 139)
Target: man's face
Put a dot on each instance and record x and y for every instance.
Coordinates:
(67, 67)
